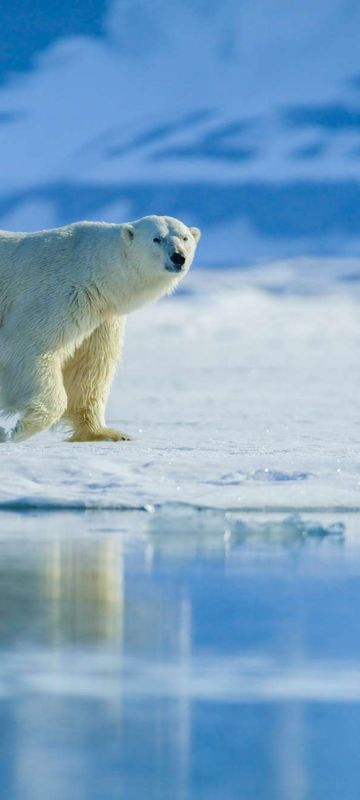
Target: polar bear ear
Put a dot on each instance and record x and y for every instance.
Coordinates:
(196, 232)
(128, 232)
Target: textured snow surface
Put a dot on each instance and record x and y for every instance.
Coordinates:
(241, 391)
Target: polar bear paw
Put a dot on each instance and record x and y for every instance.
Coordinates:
(103, 435)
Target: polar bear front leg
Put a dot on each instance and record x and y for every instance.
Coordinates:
(87, 378)
(42, 386)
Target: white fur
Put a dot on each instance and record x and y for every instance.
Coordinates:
(64, 294)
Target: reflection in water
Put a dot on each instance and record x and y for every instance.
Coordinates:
(178, 655)
(83, 587)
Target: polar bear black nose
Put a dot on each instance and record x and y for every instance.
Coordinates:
(178, 259)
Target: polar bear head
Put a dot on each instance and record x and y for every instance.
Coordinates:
(161, 246)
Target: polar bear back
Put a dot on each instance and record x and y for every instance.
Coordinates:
(62, 251)
(42, 268)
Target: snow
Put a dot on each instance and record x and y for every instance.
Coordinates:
(259, 134)
(152, 99)
(240, 392)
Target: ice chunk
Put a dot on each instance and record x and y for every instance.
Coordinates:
(182, 527)
(291, 528)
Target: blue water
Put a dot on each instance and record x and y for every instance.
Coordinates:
(140, 659)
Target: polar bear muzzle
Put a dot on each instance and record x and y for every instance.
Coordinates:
(178, 261)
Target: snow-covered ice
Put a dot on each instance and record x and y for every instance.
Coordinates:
(241, 392)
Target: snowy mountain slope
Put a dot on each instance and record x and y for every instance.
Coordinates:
(245, 113)
(32, 25)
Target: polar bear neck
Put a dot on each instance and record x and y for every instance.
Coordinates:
(120, 278)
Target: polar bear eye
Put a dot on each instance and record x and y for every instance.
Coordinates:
(185, 238)
(156, 239)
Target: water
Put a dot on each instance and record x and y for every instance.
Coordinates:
(179, 655)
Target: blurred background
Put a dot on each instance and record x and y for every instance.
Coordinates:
(240, 117)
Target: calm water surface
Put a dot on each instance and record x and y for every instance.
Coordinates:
(174, 656)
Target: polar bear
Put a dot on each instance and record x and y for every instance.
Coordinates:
(64, 297)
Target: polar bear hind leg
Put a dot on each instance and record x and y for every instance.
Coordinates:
(46, 397)
(87, 378)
